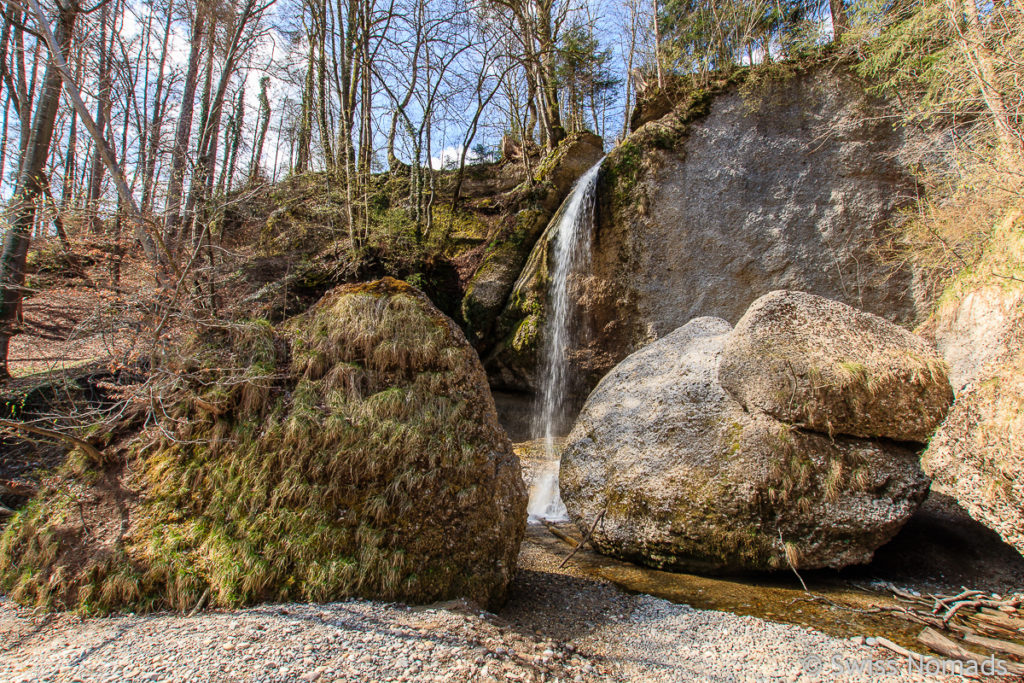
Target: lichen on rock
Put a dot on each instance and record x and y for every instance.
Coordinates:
(977, 455)
(828, 367)
(684, 478)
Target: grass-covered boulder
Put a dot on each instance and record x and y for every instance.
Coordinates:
(678, 475)
(353, 450)
(812, 361)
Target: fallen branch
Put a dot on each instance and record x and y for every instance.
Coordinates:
(18, 488)
(790, 563)
(89, 449)
(977, 604)
(942, 603)
(948, 648)
(911, 615)
(202, 601)
(586, 538)
(893, 647)
(1003, 646)
(1008, 623)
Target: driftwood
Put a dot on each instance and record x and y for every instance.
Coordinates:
(997, 645)
(1003, 622)
(971, 616)
(949, 648)
(893, 647)
(945, 646)
(586, 538)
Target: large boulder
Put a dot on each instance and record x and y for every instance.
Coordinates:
(353, 450)
(977, 455)
(828, 367)
(685, 478)
(788, 181)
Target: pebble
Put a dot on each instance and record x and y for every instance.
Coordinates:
(559, 625)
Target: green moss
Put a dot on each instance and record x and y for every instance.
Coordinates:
(317, 472)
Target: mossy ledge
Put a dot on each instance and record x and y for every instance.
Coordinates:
(351, 451)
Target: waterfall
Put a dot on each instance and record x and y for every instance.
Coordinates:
(571, 254)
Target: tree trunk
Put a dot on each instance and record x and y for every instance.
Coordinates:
(155, 122)
(179, 153)
(238, 123)
(28, 187)
(978, 53)
(102, 113)
(261, 137)
(840, 20)
(546, 74)
(306, 113)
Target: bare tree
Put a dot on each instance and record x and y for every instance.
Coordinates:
(29, 186)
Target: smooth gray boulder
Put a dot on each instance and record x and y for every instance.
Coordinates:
(687, 479)
(830, 368)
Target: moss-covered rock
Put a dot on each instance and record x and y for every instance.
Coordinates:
(353, 450)
(529, 209)
(684, 478)
(819, 363)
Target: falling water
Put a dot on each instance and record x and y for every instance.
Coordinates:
(572, 232)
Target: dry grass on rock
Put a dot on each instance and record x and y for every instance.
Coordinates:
(353, 450)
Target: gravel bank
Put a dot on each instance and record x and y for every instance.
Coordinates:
(559, 625)
(349, 641)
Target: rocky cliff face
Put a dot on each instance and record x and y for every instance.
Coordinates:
(529, 208)
(786, 183)
(976, 456)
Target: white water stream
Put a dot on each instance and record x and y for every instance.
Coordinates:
(571, 254)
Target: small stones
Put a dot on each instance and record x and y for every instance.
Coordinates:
(615, 637)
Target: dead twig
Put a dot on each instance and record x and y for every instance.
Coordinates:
(202, 601)
(89, 449)
(944, 602)
(586, 538)
(790, 563)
